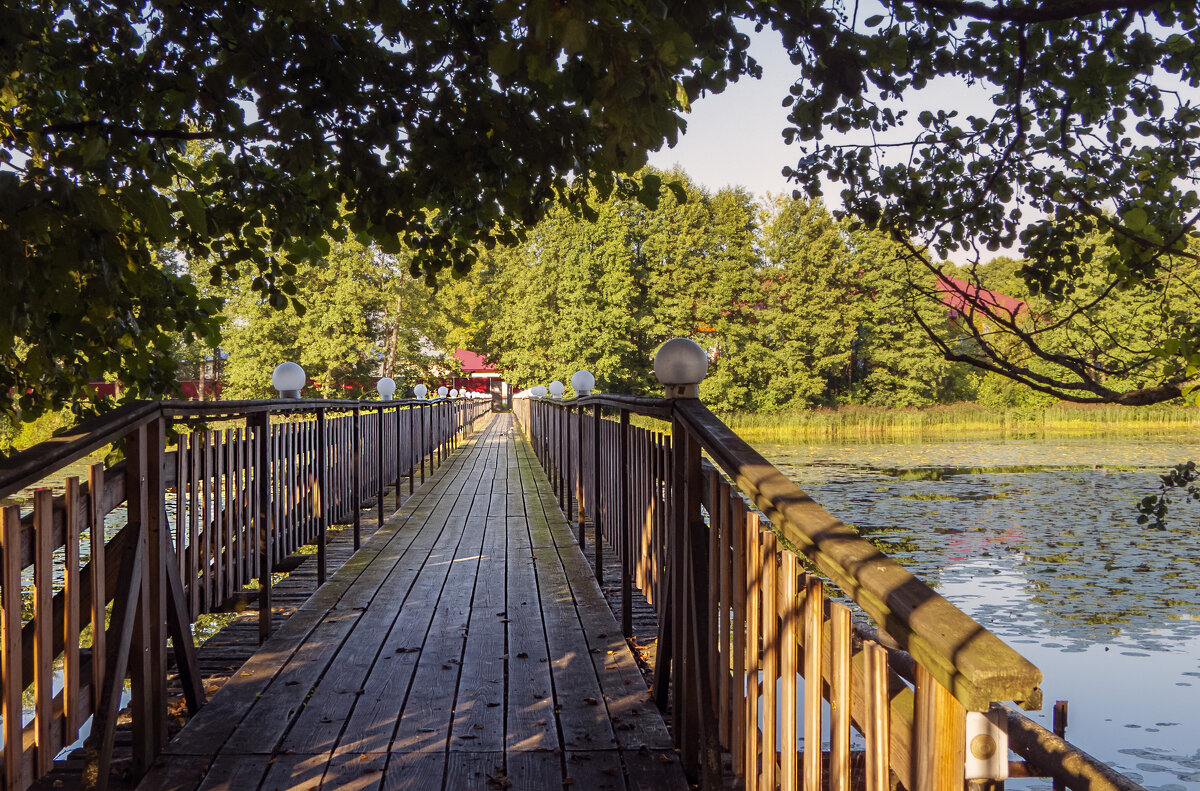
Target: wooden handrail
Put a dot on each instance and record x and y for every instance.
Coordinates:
(32, 464)
(236, 514)
(967, 659)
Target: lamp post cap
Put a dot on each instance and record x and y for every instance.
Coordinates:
(288, 378)
(680, 365)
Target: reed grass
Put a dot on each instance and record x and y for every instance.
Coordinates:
(963, 419)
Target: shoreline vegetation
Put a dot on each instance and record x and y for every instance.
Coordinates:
(855, 422)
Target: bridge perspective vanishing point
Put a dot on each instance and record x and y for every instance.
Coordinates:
(467, 644)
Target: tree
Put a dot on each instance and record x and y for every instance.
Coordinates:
(363, 316)
(1091, 143)
(441, 128)
(447, 127)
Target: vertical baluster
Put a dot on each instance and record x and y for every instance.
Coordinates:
(43, 635)
(356, 502)
(195, 498)
(322, 509)
(400, 450)
(217, 525)
(839, 698)
(410, 441)
(181, 477)
(206, 553)
(814, 615)
(740, 594)
(72, 502)
(753, 622)
(97, 553)
(940, 736)
(11, 679)
(262, 477)
(789, 620)
(770, 640)
(724, 627)
(714, 580)
(229, 528)
(876, 731)
(379, 482)
(625, 520)
(596, 484)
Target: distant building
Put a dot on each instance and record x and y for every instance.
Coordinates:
(480, 376)
(967, 300)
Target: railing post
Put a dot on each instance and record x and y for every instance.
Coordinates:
(581, 497)
(379, 465)
(598, 535)
(322, 509)
(568, 467)
(412, 449)
(624, 523)
(399, 461)
(356, 501)
(261, 424)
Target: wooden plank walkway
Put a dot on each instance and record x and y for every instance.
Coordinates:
(466, 646)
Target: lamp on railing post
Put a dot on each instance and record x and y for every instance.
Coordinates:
(419, 391)
(442, 391)
(288, 378)
(680, 365)
(386, 387)
(556, 389)
(583, 383)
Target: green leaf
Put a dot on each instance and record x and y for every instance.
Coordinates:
(193, 211)
(1135, 219)
(873, 21)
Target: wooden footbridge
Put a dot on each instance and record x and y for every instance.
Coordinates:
(467, 644)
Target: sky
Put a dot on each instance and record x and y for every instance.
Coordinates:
(735, 138)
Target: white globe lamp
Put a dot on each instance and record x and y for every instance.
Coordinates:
(583, 383)
(288, 378)
(386, 387)
(539, 391)
(556, 389)
(419, 391)
(442, 391)
(454, 392)
(681, 365)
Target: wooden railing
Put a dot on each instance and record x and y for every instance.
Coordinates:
(736, 561)
(244, 484)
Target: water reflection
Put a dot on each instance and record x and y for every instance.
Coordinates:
(1039, 541)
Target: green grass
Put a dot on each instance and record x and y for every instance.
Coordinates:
(954, 420)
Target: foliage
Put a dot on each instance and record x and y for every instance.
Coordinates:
(1086, 158)
(362, 314)
(1154, 508)
(439, 128)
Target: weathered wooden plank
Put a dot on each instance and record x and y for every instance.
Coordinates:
(475, 771)
(636, 723)
(655, 770)
(384, 692)
(595, 770)
(295, 772)
(420, 771)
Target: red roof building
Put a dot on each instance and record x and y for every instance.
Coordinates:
(967, 299)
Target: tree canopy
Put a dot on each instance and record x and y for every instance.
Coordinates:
(437, 127)
(446, 128)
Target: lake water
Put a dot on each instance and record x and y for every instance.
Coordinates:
(1038, 540)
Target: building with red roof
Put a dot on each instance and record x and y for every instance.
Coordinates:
(966, 300)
